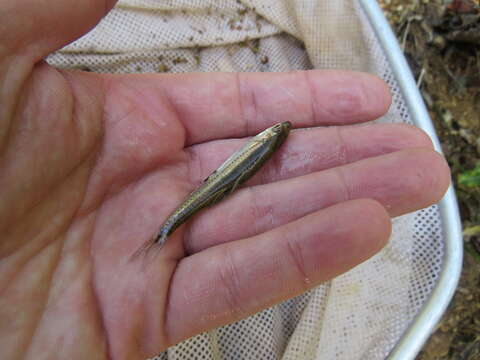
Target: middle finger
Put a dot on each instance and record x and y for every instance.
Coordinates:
(309, 150)
(402, 181)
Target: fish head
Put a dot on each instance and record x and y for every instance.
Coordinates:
(276, 134)
(281, 131)
(282, 128)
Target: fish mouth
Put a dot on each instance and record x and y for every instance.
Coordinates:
(285, 128)
(286, 125)
(281, 128)
(282, 133)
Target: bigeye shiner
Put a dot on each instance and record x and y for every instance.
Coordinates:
(237, 169)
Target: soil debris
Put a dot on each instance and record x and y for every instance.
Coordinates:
(441, 41)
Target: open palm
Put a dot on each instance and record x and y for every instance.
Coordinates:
(90, 166)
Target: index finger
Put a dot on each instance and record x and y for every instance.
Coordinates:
(36, 28)
(227, 105)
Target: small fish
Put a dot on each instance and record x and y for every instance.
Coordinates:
(237, 169)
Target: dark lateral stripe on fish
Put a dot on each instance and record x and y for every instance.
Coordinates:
(237, 169)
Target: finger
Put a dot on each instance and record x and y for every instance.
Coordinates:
(403, 181)
(217, 106)
(36, 28)
(238, 279)
(311, 150)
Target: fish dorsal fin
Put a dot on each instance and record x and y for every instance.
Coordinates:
(210, 176)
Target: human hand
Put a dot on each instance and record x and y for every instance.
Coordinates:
(91, 165)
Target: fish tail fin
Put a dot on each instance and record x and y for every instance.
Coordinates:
(154, 245)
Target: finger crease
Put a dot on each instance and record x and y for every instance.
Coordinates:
(241, 103)
(295, 252)
(231, 282)
(250, 96)
(255, 209)
(313, 103)
(342, 147)
(194, 166)
(347, 193)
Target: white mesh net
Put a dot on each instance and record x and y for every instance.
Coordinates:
(360, 315)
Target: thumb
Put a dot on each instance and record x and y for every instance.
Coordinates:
(35, 28)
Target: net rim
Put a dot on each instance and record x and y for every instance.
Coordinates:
(426, 320)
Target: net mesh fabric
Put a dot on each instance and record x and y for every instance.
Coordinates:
(360, 315)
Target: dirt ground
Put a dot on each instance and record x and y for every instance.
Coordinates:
(441, 40)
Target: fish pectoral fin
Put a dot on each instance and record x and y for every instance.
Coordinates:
(247, 174)
(222, 193)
